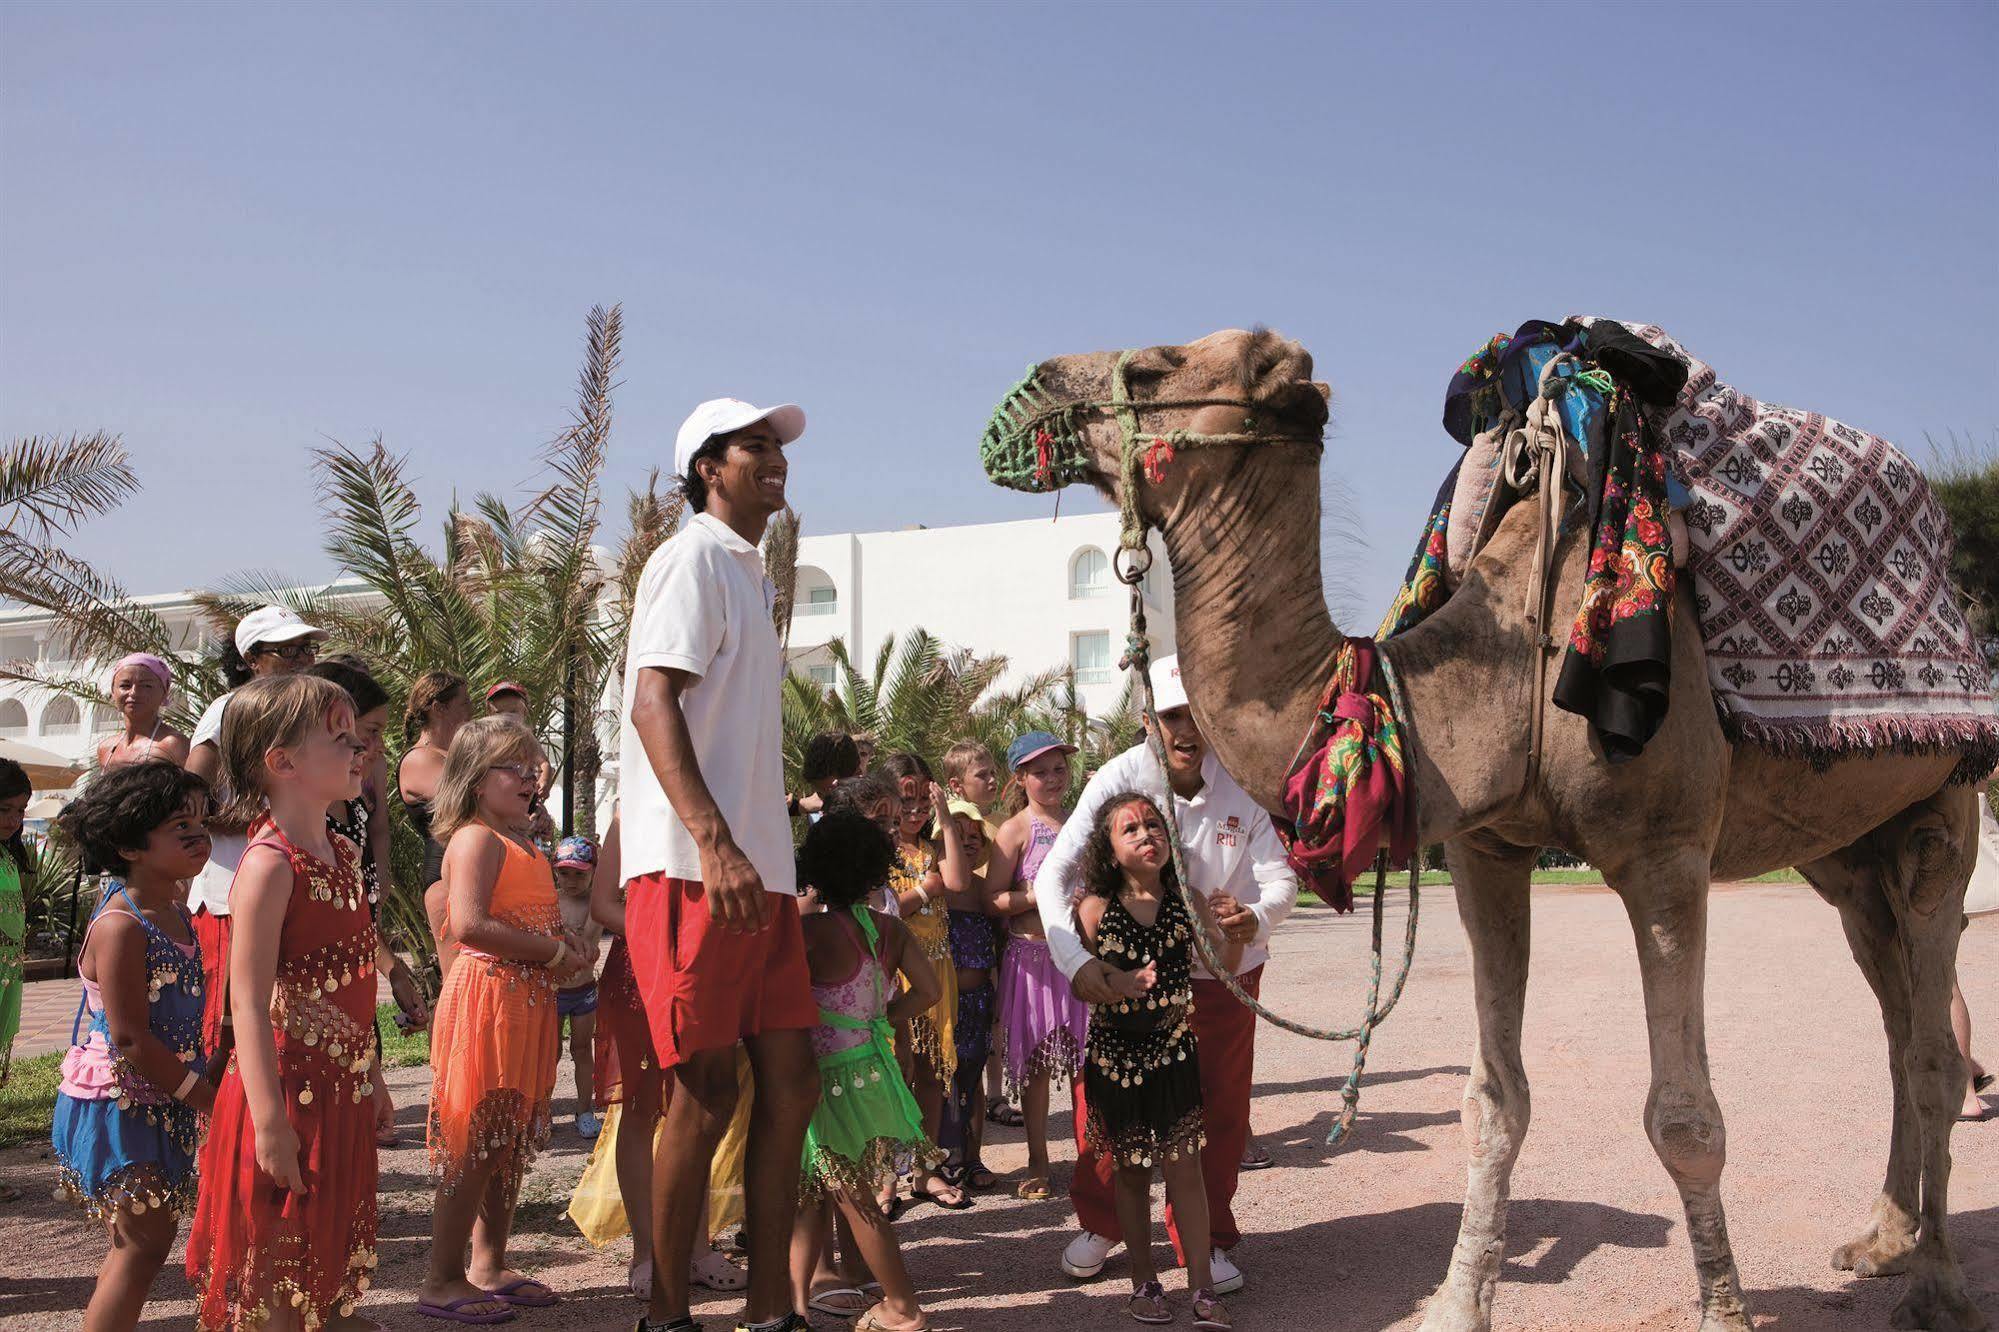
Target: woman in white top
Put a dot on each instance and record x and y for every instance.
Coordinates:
(268, 641)
(140, 684)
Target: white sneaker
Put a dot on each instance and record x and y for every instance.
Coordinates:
(1087, 1253)
(1228, 1278)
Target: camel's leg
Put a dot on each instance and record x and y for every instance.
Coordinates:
(1665, 894)
(1853, 883)
(1492, 882)
(1930, 850)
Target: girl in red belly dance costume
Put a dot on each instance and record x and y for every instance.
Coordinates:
(284, 1232)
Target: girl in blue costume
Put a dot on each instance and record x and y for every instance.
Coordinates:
(127, 1111)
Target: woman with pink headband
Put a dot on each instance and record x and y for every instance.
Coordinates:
(139, 687)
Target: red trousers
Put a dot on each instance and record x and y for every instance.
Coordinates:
(1225, 1045)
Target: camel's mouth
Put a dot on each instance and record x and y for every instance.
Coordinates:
(1032, 442)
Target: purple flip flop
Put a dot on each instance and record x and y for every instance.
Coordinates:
(505, 1294)
(452, 1311)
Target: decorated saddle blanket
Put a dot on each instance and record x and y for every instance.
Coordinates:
(1819, 556)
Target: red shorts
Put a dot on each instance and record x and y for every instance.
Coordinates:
(705, 988)
(213, 933)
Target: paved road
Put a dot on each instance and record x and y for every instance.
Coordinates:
(1358, 1238)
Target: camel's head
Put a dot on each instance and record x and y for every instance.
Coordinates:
(1175, 420)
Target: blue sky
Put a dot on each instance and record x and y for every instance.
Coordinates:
(232, 233)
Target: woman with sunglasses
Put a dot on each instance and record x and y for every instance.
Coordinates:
(270, 640)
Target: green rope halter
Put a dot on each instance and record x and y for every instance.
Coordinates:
(1034, 443)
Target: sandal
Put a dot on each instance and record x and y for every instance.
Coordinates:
(1982, 1083)
(1002, 1111)
(828, 1301)
(937, 1199)
(1209, 1315)
(1032, 1189)
(1147, 1304)
(977, 1177)
(516, 1295)
(453, 1311)
(869, 1323)
(717, 1273)
(1255, 1158)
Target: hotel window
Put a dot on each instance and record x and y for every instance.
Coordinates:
(1089, 574)
(823, 676)
(13, 717)
(819, 601)
(1090, 657)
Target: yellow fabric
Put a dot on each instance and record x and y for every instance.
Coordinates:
(725, 1177)
(597, 1205)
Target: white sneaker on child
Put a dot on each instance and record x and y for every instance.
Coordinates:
(1227, 1277)
(588, 1126)
(1087, 1254)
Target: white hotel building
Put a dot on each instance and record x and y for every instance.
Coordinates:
(1038, 592)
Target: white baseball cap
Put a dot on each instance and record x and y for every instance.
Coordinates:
(1167, 689)
(721, 416)
(271, 624)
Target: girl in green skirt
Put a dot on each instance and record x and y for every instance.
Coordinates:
(866, 1117)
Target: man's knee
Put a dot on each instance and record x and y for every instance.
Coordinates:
(706, 1081)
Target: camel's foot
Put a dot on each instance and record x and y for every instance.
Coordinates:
(1880, 1251)
(1937, 1301)
(1457, 1309)
(1731, 1319)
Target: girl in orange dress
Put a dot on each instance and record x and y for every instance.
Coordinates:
(284, 1231)
(495, 1041)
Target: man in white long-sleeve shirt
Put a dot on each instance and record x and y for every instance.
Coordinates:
(1235, 860)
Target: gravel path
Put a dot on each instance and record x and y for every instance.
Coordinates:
(1358, 1238)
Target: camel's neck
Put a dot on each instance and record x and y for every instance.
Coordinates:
(1255, 639)
(1257, 644)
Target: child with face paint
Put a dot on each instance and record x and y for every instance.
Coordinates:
(127, 1116)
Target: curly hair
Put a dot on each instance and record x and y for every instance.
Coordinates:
(846, 856)
(830, 754)
(693, 485)
(121, 807)
(1102, 876)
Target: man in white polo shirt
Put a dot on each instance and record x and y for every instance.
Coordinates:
(711, 908)
(1235, 860)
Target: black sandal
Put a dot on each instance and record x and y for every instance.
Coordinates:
(1001, 1111)
(976, 1176)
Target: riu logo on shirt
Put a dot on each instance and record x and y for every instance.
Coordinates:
(1230, 833)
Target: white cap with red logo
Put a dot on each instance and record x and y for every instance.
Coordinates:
(722, 416)
(1167, 689)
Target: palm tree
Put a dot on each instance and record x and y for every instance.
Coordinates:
(49, 487)
(922, 697)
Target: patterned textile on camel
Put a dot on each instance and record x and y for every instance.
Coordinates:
(1819, 556)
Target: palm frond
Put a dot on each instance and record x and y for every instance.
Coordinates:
(49, 484)
(780, 552)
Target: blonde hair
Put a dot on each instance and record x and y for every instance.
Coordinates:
(960, 758)
(478, 746)
(270, 712)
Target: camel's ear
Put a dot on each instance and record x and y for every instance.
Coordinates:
(1325, 390)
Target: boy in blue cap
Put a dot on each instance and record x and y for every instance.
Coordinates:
(575, 867)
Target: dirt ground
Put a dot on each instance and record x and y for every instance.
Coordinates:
(1357, 1238)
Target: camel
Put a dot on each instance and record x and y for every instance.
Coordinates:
(1884, 837)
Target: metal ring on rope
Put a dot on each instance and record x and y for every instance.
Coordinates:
(1140, 559)
(1138, 656)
